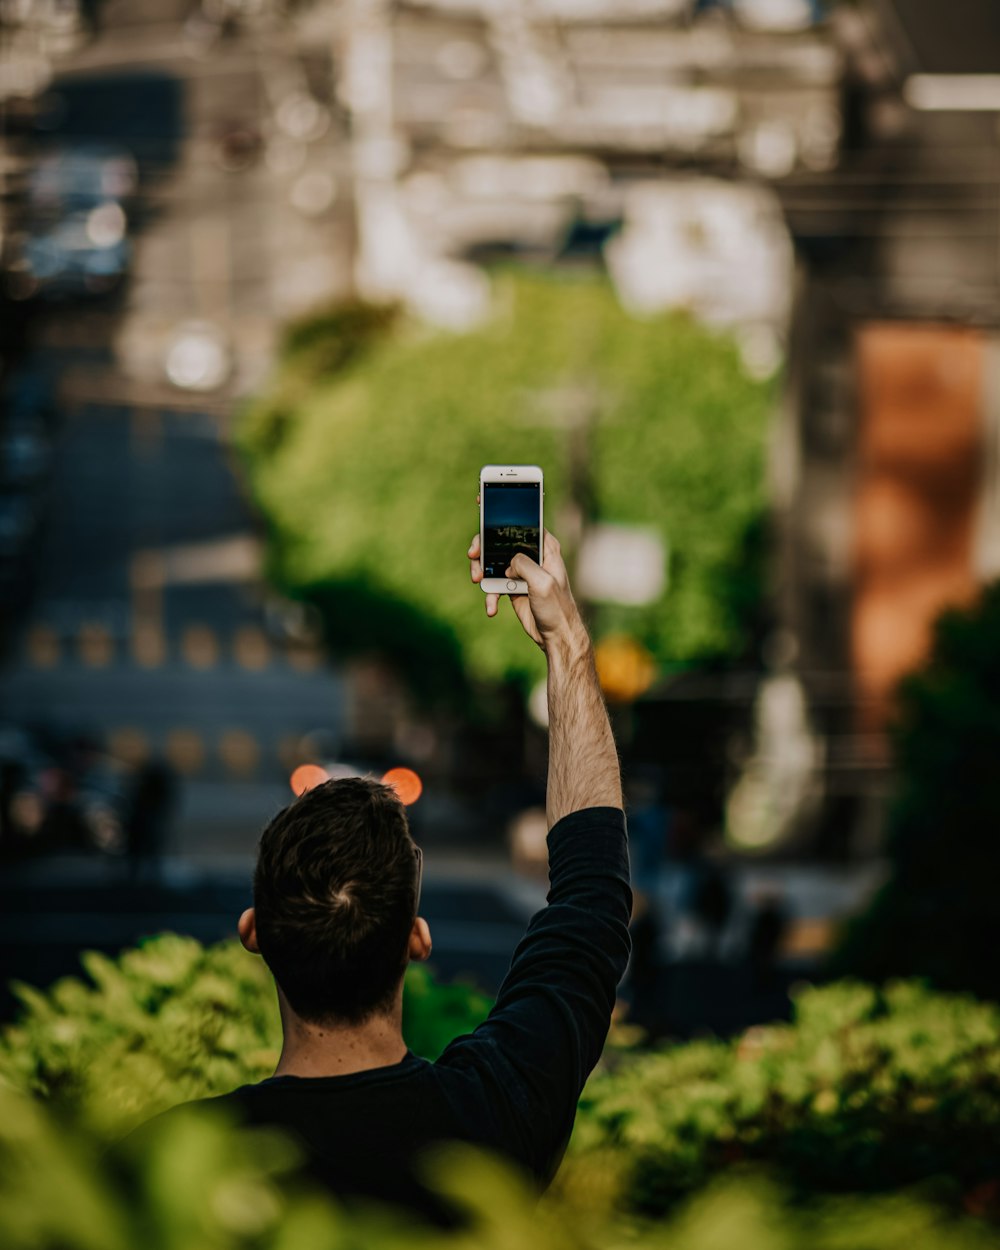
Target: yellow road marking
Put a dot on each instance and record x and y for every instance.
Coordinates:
(96, 645)
(305, 659)
(200, 647)
(251, 648)
(129, 745)
(149, 647)
(185, 749)
(42, 646)
(810, 937)
(239, 752)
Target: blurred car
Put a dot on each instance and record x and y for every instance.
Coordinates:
(778, 16)
(59, 792)
(771, 16)
(73, 257)
(81, 177)
(75, 239)
(25, 453)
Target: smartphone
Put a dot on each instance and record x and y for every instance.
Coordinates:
(510, 520)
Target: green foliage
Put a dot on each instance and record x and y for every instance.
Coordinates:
(313, 348)
(367, 476)
(327, 341)
(937, 917)
(434, 1013)
(867, 1090)
(172, 1020)
(193, 1183)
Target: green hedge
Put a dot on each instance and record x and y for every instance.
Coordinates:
(867, 1090)
(194, 1185)
(173, 1020)
(364, 451)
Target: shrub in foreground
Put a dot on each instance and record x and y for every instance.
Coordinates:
(866, 1090)
(193, 1183)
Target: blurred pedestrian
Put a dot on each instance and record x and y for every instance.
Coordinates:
(149, 810)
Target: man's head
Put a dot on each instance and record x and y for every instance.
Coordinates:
(335, 896)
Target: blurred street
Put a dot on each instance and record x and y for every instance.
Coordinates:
(150, 626)
(199, 680)
(476, 905)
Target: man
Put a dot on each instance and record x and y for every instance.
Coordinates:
(336, 891)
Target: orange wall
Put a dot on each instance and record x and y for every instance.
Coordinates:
(919, 455)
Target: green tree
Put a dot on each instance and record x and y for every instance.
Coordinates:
(937, 916)
(364, 462)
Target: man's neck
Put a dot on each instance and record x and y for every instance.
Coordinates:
(339, 1049)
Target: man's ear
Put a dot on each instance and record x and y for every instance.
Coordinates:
(419, 948)
(247, 929)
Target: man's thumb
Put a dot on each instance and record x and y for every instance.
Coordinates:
(523, 567)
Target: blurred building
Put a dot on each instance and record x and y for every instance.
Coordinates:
(886, 463)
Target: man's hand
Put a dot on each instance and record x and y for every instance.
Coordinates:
(548, 612)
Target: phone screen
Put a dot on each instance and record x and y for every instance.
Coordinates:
(511, 523)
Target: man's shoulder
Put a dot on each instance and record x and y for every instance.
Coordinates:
(211, 1104)
(283, 1096)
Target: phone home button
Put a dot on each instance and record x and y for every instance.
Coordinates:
(512, 585)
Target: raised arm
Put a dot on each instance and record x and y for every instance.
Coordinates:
(546, 1032)
(583, 761)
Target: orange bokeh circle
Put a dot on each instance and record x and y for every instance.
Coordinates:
(406, 783)
(306, 776)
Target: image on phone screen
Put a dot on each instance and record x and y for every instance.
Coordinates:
(510, 524)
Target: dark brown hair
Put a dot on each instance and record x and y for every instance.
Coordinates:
(335, 897)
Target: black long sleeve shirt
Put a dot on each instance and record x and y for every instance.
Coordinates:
(512, 1085)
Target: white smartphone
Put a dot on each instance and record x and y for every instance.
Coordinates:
(510, 520)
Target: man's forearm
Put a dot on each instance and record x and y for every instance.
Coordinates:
(583, 760)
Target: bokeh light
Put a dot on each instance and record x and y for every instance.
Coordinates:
(406, 783)
(305, 777)
(625, 668)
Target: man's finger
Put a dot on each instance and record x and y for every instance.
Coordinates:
(475, 566)
(492, 602)
(552, 560)
(522, 610)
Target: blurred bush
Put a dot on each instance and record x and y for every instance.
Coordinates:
(364, 452)
(937, 917)
(172, 1020)
(866, 1090)
(193, 1184)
